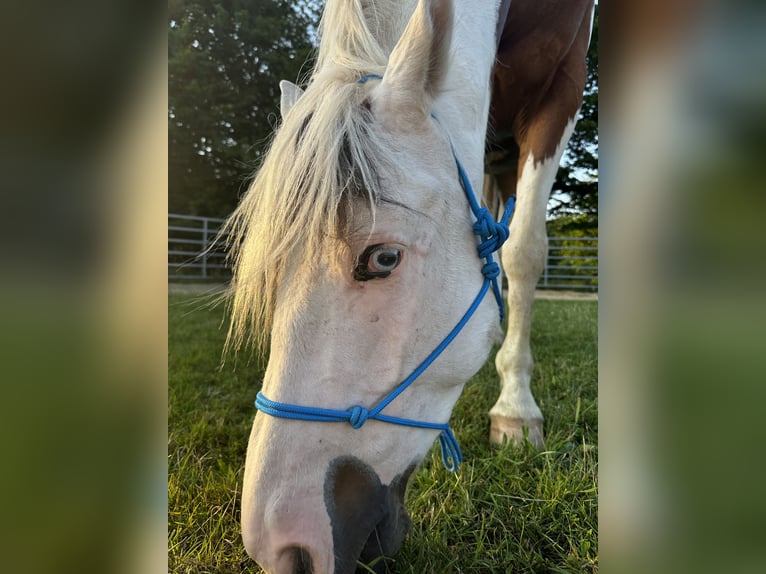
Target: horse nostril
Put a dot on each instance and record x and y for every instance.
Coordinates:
(302, 563)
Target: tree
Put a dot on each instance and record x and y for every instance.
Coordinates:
(226, 58)
(575, 191)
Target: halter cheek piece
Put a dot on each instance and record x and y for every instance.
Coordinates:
(492, 234)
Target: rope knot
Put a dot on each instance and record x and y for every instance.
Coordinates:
(492, 233)
(491, 270)
(483, 224)
(358, 416)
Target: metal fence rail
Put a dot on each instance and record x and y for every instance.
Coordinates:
(572, 264)
(194, 253)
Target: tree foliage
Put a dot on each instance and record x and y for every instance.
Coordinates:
(226, 58)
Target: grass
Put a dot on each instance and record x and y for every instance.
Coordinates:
(511, 509)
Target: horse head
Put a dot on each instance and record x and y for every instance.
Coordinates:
(355, 258)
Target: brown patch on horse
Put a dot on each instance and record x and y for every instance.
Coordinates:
(538, 80)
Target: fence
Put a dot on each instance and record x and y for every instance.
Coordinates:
(572, 264)
(194, 254)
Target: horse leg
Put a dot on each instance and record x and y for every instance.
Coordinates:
(523, 258)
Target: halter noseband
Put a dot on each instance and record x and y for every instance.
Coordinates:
(492, 235)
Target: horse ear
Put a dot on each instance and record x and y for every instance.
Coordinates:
(418, 62)
(290, 95)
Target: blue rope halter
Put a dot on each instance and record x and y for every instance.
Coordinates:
(492, 235)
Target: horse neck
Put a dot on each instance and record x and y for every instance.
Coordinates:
(387, 21)
(463, 106)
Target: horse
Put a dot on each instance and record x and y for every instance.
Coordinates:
(357, 264)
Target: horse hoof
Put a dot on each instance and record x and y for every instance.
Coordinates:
(505, 429)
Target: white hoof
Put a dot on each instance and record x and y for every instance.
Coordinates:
(504, 429)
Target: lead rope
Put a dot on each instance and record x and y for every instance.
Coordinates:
(492, 235)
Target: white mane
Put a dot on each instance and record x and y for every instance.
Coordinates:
(324, 154)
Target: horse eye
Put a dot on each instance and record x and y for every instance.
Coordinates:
(384, 259)
(377, 262)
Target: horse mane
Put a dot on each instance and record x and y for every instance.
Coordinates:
(324, 155)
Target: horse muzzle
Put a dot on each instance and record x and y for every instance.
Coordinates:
(368, 519)
(367, 524)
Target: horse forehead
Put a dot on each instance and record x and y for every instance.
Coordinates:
(426, 167)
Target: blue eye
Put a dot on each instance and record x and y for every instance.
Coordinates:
(377, 262)
(384, 259)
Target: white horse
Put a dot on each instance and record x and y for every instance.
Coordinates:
(356, 258)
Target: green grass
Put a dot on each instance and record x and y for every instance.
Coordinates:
(510, 509)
